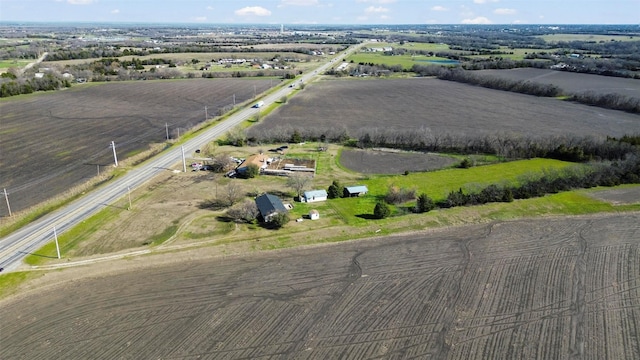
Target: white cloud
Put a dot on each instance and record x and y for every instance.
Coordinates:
(439, 8)
(115, 11)
(376, 10)
(299, 2)
(504, 11)
(253, 11)
(377, 1)
(80, 2)
(484, 1)
(209, 8)
(477, 20)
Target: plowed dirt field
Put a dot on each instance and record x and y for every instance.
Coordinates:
(536, 289)
(442, 107)
(53, 141)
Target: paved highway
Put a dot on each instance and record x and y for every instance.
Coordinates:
(14, 247)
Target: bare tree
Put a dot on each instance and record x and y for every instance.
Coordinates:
(232, 193)
(246, 211)
(298, 182)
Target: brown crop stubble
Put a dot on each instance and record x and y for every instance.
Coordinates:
(509, 290)
(440, 107)
(52, 142)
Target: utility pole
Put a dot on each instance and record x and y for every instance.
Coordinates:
(115, 157)
(184, 162)
(98, 169)
(55, 236)
(206, 114)
(234, 99)
(166, 128)
(6, 197)
(129, 192)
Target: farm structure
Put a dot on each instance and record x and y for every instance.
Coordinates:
(62, 139)
(314, 196)
(259, 160)
(278, 165)
(550, 288)
(314, 214)
(355, 191)
(269, 205)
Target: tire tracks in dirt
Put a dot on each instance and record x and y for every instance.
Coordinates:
(444, 340)
(578, 303)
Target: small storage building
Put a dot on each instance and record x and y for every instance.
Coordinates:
(314, 214)
(314, 195)
(357, 190)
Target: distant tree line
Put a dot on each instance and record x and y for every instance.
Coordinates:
(609, 101)
(12, 85)
(566, 148)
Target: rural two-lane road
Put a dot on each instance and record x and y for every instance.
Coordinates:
(14, 247)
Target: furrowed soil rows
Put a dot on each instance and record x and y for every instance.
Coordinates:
(535, 289)
(385, 162)
(439, 107)
(54, 141)
(571, 82)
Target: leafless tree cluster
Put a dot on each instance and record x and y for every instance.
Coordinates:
(609, 101)
(246, 211)
(397, 195)
(285, 133)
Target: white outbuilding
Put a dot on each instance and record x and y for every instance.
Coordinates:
(314, 195)
(314, 214)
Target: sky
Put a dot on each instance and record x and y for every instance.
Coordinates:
(325, 11)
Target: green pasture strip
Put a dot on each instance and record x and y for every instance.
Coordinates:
(5, 64)
(9, 282)
(70, 239)
(514, 54)
(438, 184)
(406, 61)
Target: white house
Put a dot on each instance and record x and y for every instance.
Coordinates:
(314, 196)
(314, 214)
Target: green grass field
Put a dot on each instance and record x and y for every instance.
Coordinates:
(6, 64)
(438, 184)
(406, 61)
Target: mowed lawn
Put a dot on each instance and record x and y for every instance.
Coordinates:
(438, 184)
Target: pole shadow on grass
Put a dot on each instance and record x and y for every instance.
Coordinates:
(39, 255)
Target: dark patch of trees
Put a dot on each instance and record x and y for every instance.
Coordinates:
(17, 86)
(381, 210)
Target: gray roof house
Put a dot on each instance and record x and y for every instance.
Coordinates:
(269, 205)
(356, 190)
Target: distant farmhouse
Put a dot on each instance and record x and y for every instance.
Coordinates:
(269, 205)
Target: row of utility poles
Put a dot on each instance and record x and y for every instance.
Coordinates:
(112, 145)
